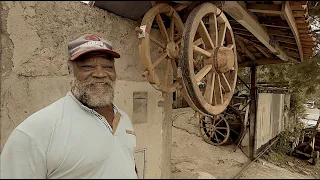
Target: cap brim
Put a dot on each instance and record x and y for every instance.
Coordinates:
(106, 51)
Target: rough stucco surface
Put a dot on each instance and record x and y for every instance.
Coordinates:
(34, 37)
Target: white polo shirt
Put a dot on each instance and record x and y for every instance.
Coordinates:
(69, 140)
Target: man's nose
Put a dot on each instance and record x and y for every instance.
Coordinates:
(99, 72)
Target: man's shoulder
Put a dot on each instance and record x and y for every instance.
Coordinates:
(44, 118)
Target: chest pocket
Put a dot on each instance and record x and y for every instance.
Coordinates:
(127, 138)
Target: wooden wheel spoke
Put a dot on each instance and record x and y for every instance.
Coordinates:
(218, 122)
(218, 97)
(174, 68)
(208, 94)
(201, 51)
(221, 128)
(226, 84)
(213, 28)
(159, 60)
(162, 28)
(231, 46)
(205, 35)
(198, 42)
(211, 134)
(172, 29)
(222, 34)
(166, 74)
(220, 133)
(204, 71)
(216, 137)
(154, 40)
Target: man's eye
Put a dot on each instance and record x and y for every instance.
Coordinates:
(87, 67)
(108, 67)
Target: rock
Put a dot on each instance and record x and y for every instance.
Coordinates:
(290, 164)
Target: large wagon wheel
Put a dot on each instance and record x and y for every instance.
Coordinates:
(158, 63)
(208, 59)
(214, 130)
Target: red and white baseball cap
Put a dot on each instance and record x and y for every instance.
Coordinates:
(90, 43)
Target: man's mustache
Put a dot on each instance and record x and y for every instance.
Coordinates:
(97, 82)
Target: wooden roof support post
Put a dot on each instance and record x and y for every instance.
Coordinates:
(249, 21)
(287, 13)
(253, 111)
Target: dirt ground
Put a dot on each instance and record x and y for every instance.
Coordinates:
(193, 158)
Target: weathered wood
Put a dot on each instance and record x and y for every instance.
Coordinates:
(145, 52)
(260, 62)
(249, 22)
(299, 13)
(285, 40)
(201, 51)
(260, 48)
(201, 97)
(243, 47)
(301, 20)
(278, 32)
(265, 8)
(204, 71)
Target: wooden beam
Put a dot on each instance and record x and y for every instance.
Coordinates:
(278, 32)
(260, 62)
(301, 20)
(296, 5)
(287, 13)
(265, 8)
(299, 13)
(245, 49)
(249, 21)
(285, 40)
(275, 22)
(260, 48)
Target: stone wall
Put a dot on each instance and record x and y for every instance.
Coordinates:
(34, 37)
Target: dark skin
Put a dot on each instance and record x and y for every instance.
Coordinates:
(96, 65)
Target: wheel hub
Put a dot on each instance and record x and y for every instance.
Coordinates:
(172, 50)
(223, 59)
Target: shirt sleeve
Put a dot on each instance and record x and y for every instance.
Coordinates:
(22, 158)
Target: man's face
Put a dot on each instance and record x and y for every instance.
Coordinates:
(94, 78)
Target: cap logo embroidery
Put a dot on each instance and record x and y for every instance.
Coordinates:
(92, 38)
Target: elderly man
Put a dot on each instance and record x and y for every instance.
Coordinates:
(82, 135)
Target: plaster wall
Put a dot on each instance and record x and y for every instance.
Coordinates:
(34, 37)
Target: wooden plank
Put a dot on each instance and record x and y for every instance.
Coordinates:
(275, 22)
(260, 48)
(278, 32)
(285, 40)
(299, 13)
(260, 62)
(287, 13)
(249, 21)
(265, 8)
(301, 20)
(243, 47)
(296, 5)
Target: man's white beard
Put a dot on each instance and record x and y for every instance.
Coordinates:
(94, 93)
